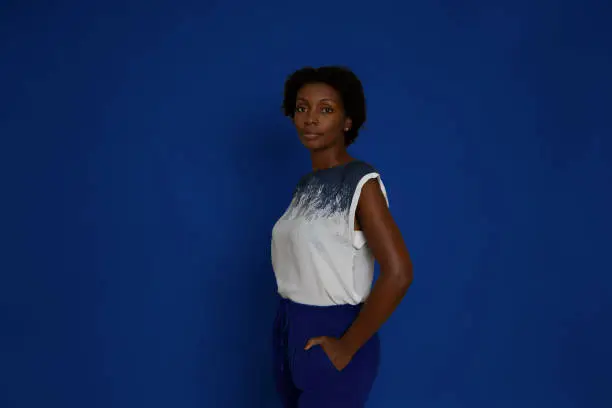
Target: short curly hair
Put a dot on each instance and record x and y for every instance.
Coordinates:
(343, 80)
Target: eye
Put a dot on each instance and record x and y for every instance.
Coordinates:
(300, 109)
(327, 110)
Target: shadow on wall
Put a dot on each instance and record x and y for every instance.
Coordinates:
(265, 164)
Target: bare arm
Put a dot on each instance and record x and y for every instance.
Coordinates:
(387, 245)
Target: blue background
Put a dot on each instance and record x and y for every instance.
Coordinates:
(144, 160)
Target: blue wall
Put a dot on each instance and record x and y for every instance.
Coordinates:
(144, 160)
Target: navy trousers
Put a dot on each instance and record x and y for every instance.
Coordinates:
(308, 379)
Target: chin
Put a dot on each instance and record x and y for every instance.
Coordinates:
(313, 144)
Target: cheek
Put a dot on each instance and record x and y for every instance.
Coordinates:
(333, 124)
(298, 119)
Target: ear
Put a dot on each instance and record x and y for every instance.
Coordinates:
(348, 124)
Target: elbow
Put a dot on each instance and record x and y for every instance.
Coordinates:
(403, 277)
(407, 278)
(398, 272)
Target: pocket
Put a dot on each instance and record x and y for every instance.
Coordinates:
(323, 359)
(312, 368)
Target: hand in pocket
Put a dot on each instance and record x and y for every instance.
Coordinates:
(337, 352)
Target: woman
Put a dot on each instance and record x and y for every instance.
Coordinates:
(323, 252)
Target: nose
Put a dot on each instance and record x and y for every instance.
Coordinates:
(312, 118)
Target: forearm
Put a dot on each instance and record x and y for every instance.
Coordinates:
(384, 298)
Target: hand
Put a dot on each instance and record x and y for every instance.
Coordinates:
(337, 351)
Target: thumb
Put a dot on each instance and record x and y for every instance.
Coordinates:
(315, 341)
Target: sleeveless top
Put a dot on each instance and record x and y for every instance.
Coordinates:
(317, 256)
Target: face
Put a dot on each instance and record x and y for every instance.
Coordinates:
(319, 117)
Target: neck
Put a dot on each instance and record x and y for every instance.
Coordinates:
(327, 158)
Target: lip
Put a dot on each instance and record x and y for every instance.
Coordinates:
(311, 135)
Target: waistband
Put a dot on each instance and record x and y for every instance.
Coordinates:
(290, 304)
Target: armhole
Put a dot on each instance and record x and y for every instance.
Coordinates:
(358, 237)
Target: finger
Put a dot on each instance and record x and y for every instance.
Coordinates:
(315, 341)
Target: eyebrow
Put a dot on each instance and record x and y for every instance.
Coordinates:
(300, 98)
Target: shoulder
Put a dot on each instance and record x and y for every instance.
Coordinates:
(359, 171)
(365, 179)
